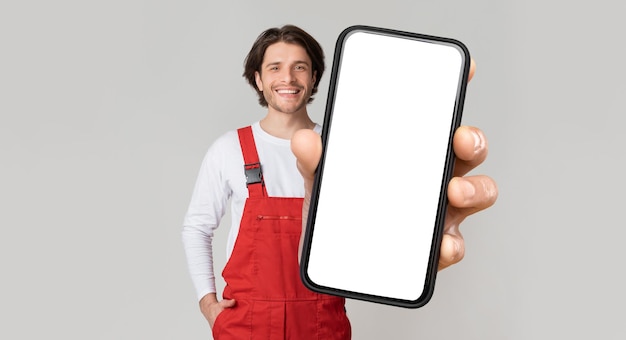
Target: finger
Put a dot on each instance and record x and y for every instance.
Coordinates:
(306, 145)
(472, 69)
(452, 250)
(470, 147)
(227, 303)
(472, 193)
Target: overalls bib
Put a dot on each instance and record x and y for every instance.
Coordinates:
(262, 274)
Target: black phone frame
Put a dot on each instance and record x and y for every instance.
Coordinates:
(429, 282)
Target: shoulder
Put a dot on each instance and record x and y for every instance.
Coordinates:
(226, 140)
(227, 143)
(225, 151)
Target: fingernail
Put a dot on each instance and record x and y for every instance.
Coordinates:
(468, 190)
(457, 250)
(478, 141)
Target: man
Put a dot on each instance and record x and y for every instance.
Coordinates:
(255, 168)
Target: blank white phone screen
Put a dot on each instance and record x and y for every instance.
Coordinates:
(384, 165)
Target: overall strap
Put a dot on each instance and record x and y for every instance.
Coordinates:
(252, 166)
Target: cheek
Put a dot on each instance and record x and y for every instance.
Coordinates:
(267, 82)
(307, 80)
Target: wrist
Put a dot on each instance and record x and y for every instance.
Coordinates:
(208, 299)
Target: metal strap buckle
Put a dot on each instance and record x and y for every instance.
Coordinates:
(253, 173)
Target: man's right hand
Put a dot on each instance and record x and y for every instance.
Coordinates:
(211, 308)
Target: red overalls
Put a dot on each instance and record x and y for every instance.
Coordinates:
(262, 274)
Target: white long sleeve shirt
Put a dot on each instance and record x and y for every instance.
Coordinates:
(222, 178)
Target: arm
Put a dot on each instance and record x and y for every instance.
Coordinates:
(198, 248)
(207, 206)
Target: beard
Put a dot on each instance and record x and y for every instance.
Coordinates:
(287, 105)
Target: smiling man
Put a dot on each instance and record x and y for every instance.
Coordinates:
(268, 186)
(286, 78)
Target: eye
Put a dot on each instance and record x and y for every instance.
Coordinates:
(300, 67)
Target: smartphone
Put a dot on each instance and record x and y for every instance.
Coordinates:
(379, 198)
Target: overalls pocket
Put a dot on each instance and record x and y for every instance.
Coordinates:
(275, 256)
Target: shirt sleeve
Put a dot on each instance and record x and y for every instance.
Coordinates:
(206, 209)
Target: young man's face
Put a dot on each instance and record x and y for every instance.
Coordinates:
(286, 78)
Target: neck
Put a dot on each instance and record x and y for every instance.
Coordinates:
(284, 125)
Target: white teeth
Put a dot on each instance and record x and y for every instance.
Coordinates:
(288, 91)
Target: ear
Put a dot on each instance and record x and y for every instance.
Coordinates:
(314, 78)
(257, 79)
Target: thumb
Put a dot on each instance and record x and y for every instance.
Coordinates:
(227, 303)
(306, 145)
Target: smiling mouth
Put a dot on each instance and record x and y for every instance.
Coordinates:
(291, 91)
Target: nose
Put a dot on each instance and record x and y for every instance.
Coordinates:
(287, 75)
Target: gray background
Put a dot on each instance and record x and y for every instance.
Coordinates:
(107, 108)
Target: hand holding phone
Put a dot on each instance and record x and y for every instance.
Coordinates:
(379, 198)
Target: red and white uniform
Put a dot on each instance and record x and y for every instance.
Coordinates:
(262, 272)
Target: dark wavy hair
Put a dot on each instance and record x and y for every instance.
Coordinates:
(289, 34)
